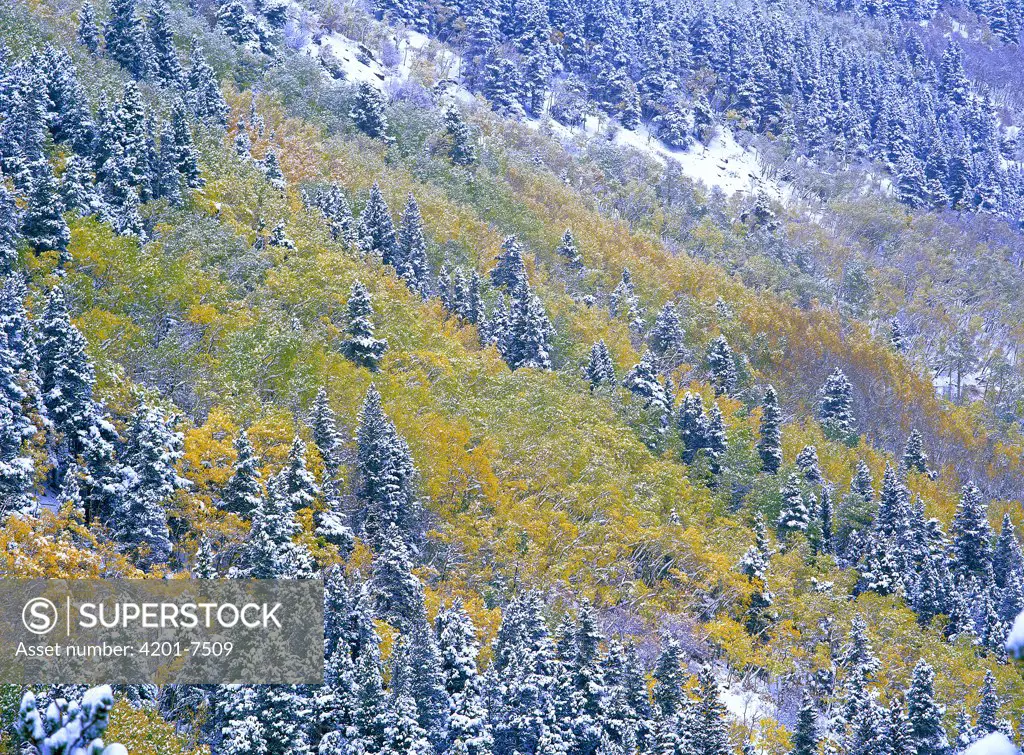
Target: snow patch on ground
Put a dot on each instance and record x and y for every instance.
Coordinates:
(744, 705)
(724, 164)
(992, 744)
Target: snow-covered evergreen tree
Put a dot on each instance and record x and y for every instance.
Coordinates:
(971, 551)
(642, 381)
(409, 254)
(569, 251)
(203, 96)
(16, 467)
(398, 593)
(805, 734)
(462, 151)
(794, 515)
(527, 340)
(722, 366)
(9, 230)
(243, 492)
(914, 457)
(769, 445)
(271, 165)
(152, 452)
(166, 65)
(376, 233)
(370, 111)
(270, 553)
(42, 224)
(386, 484)
(73, 728)
(510, 271)
(361, 346)
(295, 483)
(807, 463)
(667, 338)
(927, 734)
(836, 408)
(88, 30)
(599, 370)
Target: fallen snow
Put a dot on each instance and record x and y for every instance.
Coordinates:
(723, 164)
(742, 704)
(992, 744)
(1015, 640)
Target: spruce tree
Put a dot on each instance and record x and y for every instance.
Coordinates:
(667, 339)
(125, 38)
(754, 565)
(668, 676)
(794, 515)
(410, 252)
(927, 735)
(836, 408)
(269, 553)
(987, 713)
(971, 551)
(398, 593)
(642, 381)
(361, 347)
(510, 271)
(914, 457)
(805, 734)
(769, 445)
(386, 480)
(186, 161)
(369, 111)
(712, 734)
(295, 483)
(458, 646)
(807, 463)
(42, 224)
(416, 672)
(600, 370)
(243, 492)
(324, 425)
(16, 467)
(1007, 557)
(153, 450)
(897, 339)
(862, 485)
(88, 31)
(272, 169)
(204, 97)
(335, 208)
(205, 564)
(527, 341)
(9, 234)
(692, 425)
(376, 233)
(569, 252)
(166, 66)
(67, 378)
(279, 237)
(722, 366)
(462, 151)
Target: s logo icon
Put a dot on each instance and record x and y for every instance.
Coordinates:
(39, 616)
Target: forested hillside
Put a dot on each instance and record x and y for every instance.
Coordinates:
(600, 443)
